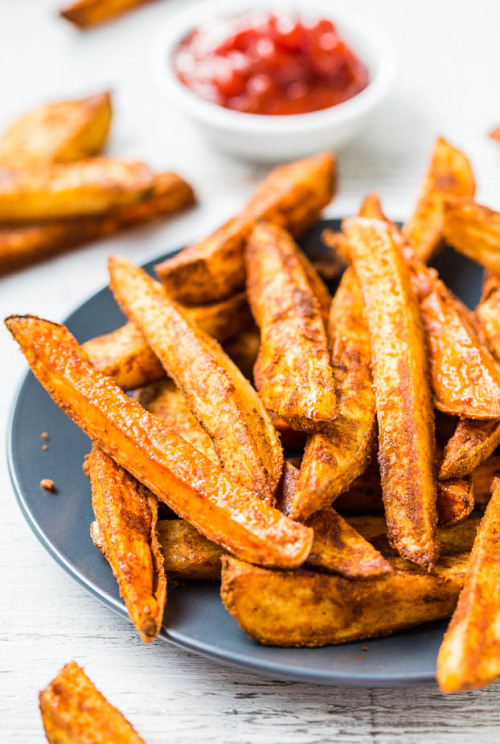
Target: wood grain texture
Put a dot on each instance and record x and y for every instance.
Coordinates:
(45, 617)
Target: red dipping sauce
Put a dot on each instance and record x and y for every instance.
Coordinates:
(274, 65)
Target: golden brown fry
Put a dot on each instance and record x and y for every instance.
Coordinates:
(449, 174)
(88, 13)
(455, 500)
(402, 393)
(303, 608)
(187, 554)
(126, 516)
(243, 350)
(495, 134)
(483, 477)
(338, 244)
(293, 373)
(487, 313)
(217, 393)
(469, 656)
(67, 190)
(74, 711)
(474, 231)
(58, 132)
(195, 488)
(166, 401)
(24, 245)
(126, 356)
(292, 196)
(340, 452)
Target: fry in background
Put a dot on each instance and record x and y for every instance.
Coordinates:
(24, 245)
(402, 390)
(449, 174)
(66, 190)
(87, 13)
(194, 487)
(74, 711)
(293, 373)
(469, 656)
(474, 231)
(292, 197)
(217, 393)
(58, 132)
(125, 530)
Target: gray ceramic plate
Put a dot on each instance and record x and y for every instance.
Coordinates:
(195, 617)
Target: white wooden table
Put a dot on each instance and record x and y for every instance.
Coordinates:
(447, 83)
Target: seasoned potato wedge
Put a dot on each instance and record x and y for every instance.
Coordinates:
(24, 245)
(293, 373)
(74, 711)
(125, 530)
(303, 608)
(402, 391)
(126, 356)
(469, 656)
(474, 231)
(186, 553)
(64, 190)
(58, 132)
(88, 13)
(194, 487)
(165, 400)
(337, 454)
(449, 174)
(217, 393)
(292, 196)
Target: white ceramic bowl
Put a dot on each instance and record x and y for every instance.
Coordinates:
(276, 138)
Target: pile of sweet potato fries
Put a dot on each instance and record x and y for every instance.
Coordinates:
(55, 194)
(391, 389)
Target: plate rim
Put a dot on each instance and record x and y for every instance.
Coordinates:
(234, 659)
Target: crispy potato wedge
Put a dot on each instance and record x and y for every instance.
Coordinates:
(335, 456)
(243, 350)
(186, 553)
(194, 487)
(303, 608)
(292, 197)
(483, 478)
(24, 245)
(66, 190)
(474, 231)
(126, 515)
(402, 391)
(455, 500)
(339, 246)
(293, 373)
(88, 13)
(126, 356)
(469, 656)
(217, 393)
(487, 313)
(58, 132)
(166, 401)
(74, 711)
(449, 174)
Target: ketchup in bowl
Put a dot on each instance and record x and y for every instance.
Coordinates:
(273, 64)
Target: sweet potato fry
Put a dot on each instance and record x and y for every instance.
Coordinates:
(58, 132)
(126, 515)
(293, 373)
(74, 711)
(187, 554)
(340, 452)
(469, 656)
(303, 608)
(166, 401)
(402, 392)
(23, 245)
(449, 174)
(220, 397)
(66, 190)
(126, 356)
(292, 197)
(88, 13)
(195, 488)
(474, 231)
